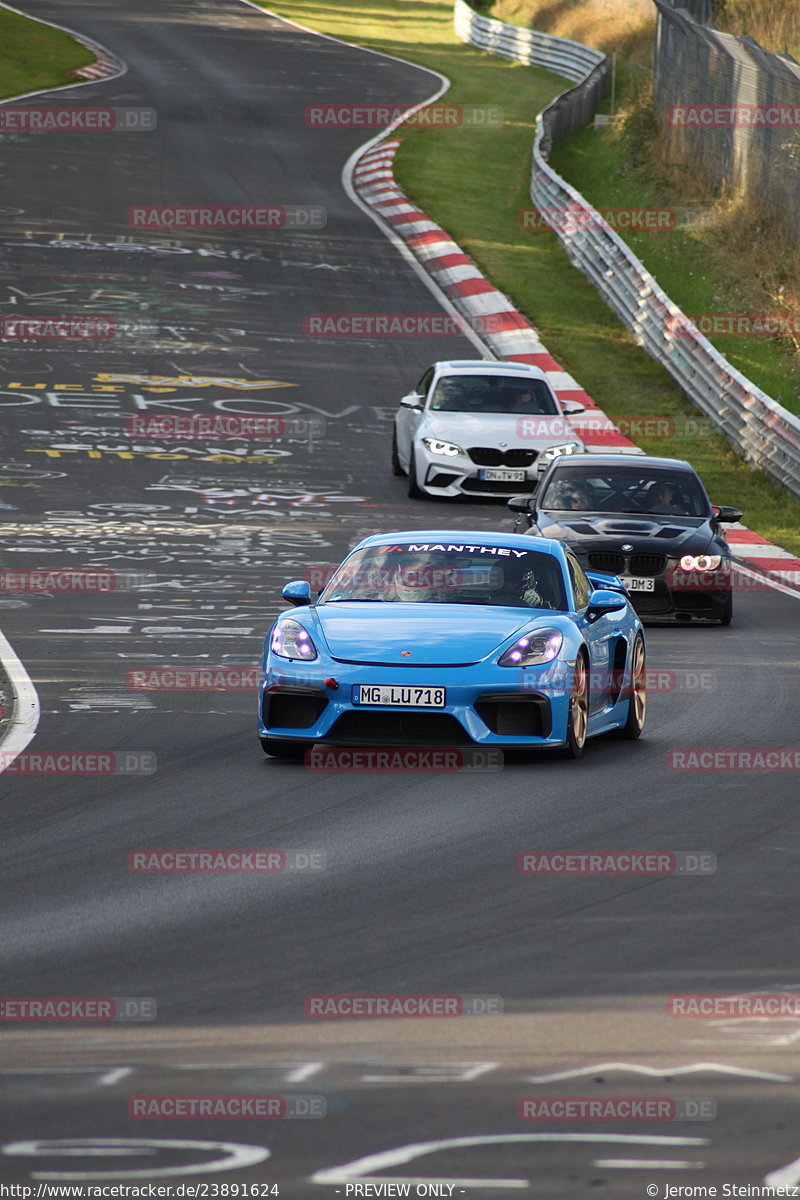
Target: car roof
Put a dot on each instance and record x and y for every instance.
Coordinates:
(641, 461)
(460, 537)
(472, 366)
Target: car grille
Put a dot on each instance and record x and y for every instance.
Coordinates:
(496, 487)
(647, 564)
(613, 563)
(489, 456)
(513, 716)
(404, 728)
(627, 564)
(293, 710)
(440, 479)
(651, 603)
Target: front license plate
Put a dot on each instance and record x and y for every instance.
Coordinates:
(505, 476)
(638, 584)
(397, 696)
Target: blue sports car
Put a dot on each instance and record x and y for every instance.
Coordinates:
(450, 638)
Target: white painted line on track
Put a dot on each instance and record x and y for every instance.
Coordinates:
(26, 710)
(661, 1072)
(357, 1171)
(648, 1164)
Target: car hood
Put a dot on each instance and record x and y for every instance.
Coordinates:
(651, 534)
(435, 634)
(490, 429)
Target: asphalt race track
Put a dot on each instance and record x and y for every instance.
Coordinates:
(416, 888)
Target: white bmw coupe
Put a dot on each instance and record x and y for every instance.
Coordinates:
(480, 428)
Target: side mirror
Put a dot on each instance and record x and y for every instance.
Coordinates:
(520, 504)
(412, 400)
(726, 514)
(602, 601)
(297, 592)
(571, 408)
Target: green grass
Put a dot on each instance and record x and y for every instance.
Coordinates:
(34, 56)
(474, 181)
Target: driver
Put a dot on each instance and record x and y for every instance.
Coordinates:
(419, 581)
(662, 498)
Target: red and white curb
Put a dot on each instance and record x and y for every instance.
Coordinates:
(106, 65)
(510, 336)
(507, 332)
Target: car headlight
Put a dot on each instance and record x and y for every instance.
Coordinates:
(291, 640)
(700, 562)
(445, 449)
(557, 451)
(541, 646)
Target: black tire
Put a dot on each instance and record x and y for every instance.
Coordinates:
(578, 716)
(414, 490)
(279, 748)
(637, 703)
(396, 468)
(727, 612)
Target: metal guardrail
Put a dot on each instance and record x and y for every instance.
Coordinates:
(560, 55)
(765, 433)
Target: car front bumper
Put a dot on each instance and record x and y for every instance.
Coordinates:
(485, 705)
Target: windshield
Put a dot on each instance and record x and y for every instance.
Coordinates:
(449, 574)
(625, 490)
(493, 394)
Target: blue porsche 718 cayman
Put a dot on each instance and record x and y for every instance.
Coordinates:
(451, 638)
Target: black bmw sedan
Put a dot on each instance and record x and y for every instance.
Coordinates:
(647, 520)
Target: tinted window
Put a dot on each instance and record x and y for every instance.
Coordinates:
(422, 387)
(493, 394)
(625, 490)
(581, 587)
(449, 574)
